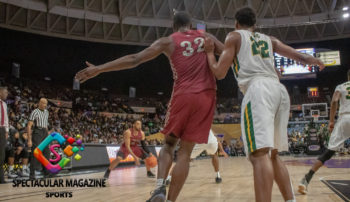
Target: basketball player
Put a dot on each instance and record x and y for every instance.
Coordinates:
(133, 137)
(192, 104)
(212, 148)
(265, 106)
(340, 133)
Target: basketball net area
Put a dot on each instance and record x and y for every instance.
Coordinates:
(315, 111)
(315, 115)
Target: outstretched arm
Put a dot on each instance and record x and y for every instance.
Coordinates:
(126, 62)
(333, 111)
(221, 67)
(290, 52)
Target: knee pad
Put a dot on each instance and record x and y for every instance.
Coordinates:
(326, 156)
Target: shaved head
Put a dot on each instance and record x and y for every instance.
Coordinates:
(42, 103)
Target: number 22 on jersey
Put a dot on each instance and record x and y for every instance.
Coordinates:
(260, 48)
(188, 45)
(348, 95)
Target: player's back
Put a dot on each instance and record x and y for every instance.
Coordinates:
(189, 64)
(254, 59)
(344, 90)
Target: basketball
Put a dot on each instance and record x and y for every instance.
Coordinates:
(151, 161)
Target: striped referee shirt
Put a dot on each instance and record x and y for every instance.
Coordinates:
(40, 118)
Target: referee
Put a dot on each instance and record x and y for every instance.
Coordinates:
(39, 119)
(4, 130)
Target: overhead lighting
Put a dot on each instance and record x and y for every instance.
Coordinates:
(345, 8)
(346, 15)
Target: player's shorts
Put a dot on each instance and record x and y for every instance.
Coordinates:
(11, 152)
(340, 133)
(189, 116)
(265, 114)
(211, 147)
(138, 151)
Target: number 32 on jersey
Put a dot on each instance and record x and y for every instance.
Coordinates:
(188, 45)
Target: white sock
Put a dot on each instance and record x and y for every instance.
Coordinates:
(169, 177)
(160, 182)
(10, 168)
(293, 200)
(218, 174)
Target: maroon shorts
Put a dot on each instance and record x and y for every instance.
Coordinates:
(189, 116)
(138, 151)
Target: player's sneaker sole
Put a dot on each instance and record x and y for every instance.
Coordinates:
(157, 198)
(158, 195)
(302, 189)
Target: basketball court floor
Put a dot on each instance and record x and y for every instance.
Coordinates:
(331, 183)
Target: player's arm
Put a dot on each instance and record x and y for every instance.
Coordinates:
(29, 132)
(221, 67)
(290, 52)
(126, 62)
(221, 149)
(127, 135)
(333, 111)
(143, 144)
(219, 46)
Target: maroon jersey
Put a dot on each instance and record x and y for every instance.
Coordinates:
(189, 64)
(135, 138)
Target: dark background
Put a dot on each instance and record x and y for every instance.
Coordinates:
(60, 59)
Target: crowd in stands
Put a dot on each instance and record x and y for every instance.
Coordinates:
(87, 118)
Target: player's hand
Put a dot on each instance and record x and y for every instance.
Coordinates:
(225, 154)
(7, 135)
(90, 72)
(30, 143)
(331, 126)
(316, 61)
(209, 45)
(137, 161)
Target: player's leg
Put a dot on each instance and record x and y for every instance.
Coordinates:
(338, 136)
(281, 144)
(120, 156)
(168, 179)
(148, 168)
(11, 161)
(212, 150)
(165, 161)
(263, 174)
(180, 171)
(282, 176)
(215, 162)
(259, 106)
(325, 156)
(23, 155)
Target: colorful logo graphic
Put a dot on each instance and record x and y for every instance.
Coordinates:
(68, 151)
